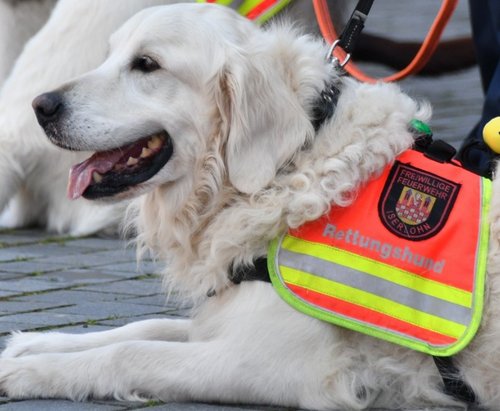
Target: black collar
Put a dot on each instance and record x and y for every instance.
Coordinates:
(324, 106)
(256, 272)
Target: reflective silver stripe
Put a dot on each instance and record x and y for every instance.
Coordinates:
(375, 285)
(237, 3)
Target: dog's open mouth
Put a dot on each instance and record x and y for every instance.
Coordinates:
(111, 172)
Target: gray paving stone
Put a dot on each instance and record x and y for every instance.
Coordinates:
(38, 251)
(10, 276)
(7, 294)
(132, 287)
(86, 276)
(44, 319)
(97, 244)
(156, 300)
(143, 267)
(14, 254)
(30, 285)
(27, 267)
(9, 240)
(109, 309)
(10, 306)
(73, 296)
(91, 259)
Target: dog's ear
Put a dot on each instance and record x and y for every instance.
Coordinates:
(265, 123)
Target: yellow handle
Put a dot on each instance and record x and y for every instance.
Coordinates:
(491, 134)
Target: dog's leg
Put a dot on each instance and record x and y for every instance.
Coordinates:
(21, 344)
(139, 370)
(247, 346)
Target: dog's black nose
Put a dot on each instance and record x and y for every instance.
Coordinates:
(48, 107)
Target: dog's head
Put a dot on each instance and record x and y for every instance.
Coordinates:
(179, 77)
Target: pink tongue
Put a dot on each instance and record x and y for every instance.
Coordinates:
(80, 175)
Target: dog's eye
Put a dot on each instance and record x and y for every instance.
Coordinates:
(145, 64)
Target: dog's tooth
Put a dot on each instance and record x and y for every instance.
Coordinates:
(154, 142)
(96, 177)
(146, 152)
(132, 161)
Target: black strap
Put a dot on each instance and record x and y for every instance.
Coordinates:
(257, 272)
(355, 25)
(437, 150)
(454, 385)
(325, 105)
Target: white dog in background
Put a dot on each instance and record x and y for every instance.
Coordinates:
(221, 111)
(19, 21)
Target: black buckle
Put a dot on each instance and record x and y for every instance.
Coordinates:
(437, 150)
(355, 25)
(440, 151)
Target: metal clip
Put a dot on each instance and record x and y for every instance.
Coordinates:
(334, 60)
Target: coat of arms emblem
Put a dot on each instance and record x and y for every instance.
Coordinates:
(415, 203)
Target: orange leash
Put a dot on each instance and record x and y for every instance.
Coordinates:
(419, 61)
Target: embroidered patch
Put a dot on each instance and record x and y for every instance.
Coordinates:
(415, 204)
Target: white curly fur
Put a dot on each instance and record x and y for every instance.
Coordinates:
(245, 344)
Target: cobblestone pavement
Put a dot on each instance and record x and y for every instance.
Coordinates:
(78, 285)
(85, 284)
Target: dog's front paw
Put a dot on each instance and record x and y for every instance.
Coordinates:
(45, 376)
(18, 380)
(74, 376)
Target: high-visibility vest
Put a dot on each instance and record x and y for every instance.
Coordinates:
(258, 10)
(406, 262)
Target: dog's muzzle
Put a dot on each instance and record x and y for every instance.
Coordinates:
(48, 108)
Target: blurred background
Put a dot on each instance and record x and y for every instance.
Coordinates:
(456, 97)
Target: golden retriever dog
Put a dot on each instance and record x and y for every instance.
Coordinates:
(74, 40)
(210, 122)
